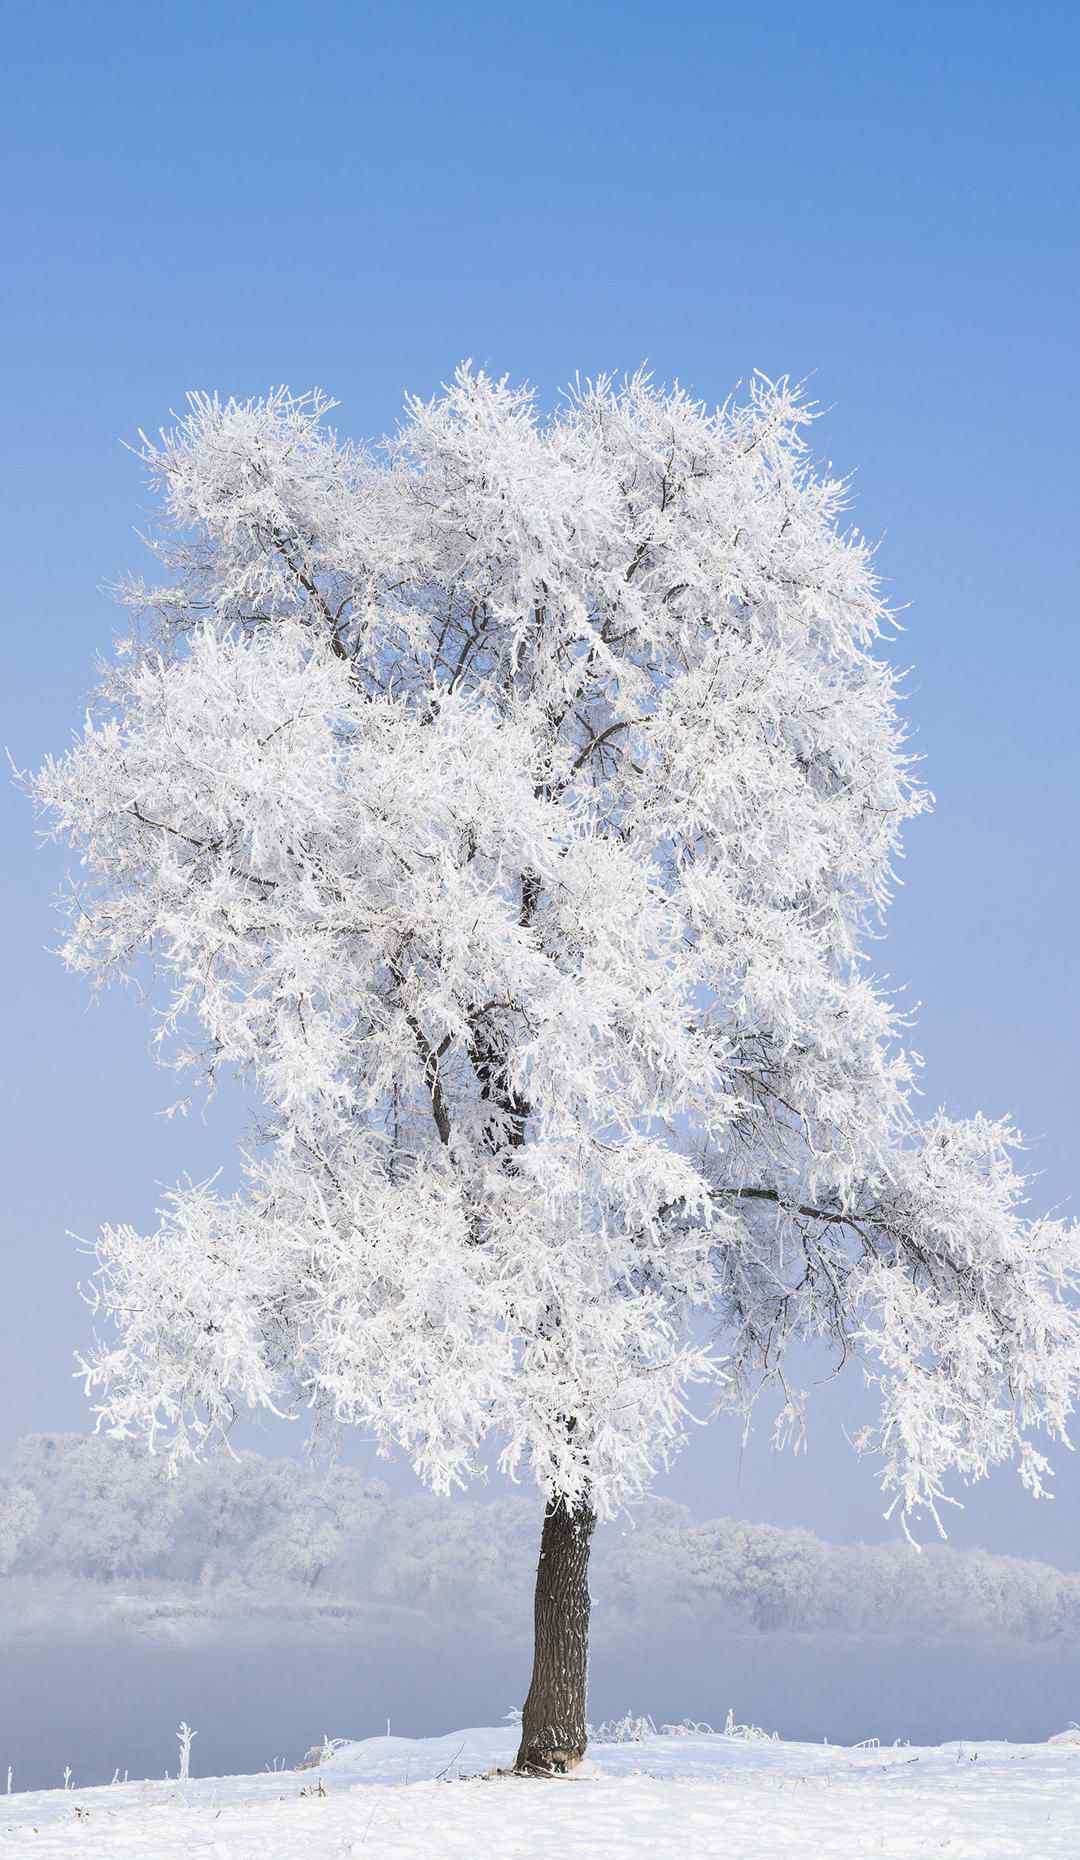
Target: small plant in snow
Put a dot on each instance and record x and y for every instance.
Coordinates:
(747, 1733)
(321, 1753)
(625, 1730)
(184, 1736)
(634, 1730)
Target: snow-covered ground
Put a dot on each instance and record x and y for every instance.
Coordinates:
(668, 1798)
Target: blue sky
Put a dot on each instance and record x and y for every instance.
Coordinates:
(883, 198)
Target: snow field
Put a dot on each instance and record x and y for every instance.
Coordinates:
(669, 1798)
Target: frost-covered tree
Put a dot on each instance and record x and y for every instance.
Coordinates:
(512, 804)
(20, 1516)
(84, 1505)
(96, 1512)
(246, 1529)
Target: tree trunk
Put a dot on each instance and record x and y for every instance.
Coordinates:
(553, 1734)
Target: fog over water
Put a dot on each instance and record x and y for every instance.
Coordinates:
(102, 1700)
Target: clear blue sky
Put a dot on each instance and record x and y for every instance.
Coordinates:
(883, 197)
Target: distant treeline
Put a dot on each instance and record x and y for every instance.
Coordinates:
(79, 1506)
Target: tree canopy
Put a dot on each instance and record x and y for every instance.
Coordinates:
(514, 803)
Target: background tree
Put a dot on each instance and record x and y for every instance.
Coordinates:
(511, 805)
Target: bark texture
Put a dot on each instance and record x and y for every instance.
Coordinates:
(553, 1732)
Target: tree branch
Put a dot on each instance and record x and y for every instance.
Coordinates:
(310, 587)
(833, 1215)
(431, 1055)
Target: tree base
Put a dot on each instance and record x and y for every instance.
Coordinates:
(546, 1762)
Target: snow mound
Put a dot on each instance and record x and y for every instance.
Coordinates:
(662, 1798)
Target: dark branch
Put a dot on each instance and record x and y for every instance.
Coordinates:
(834, 1215)
(311, 588)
